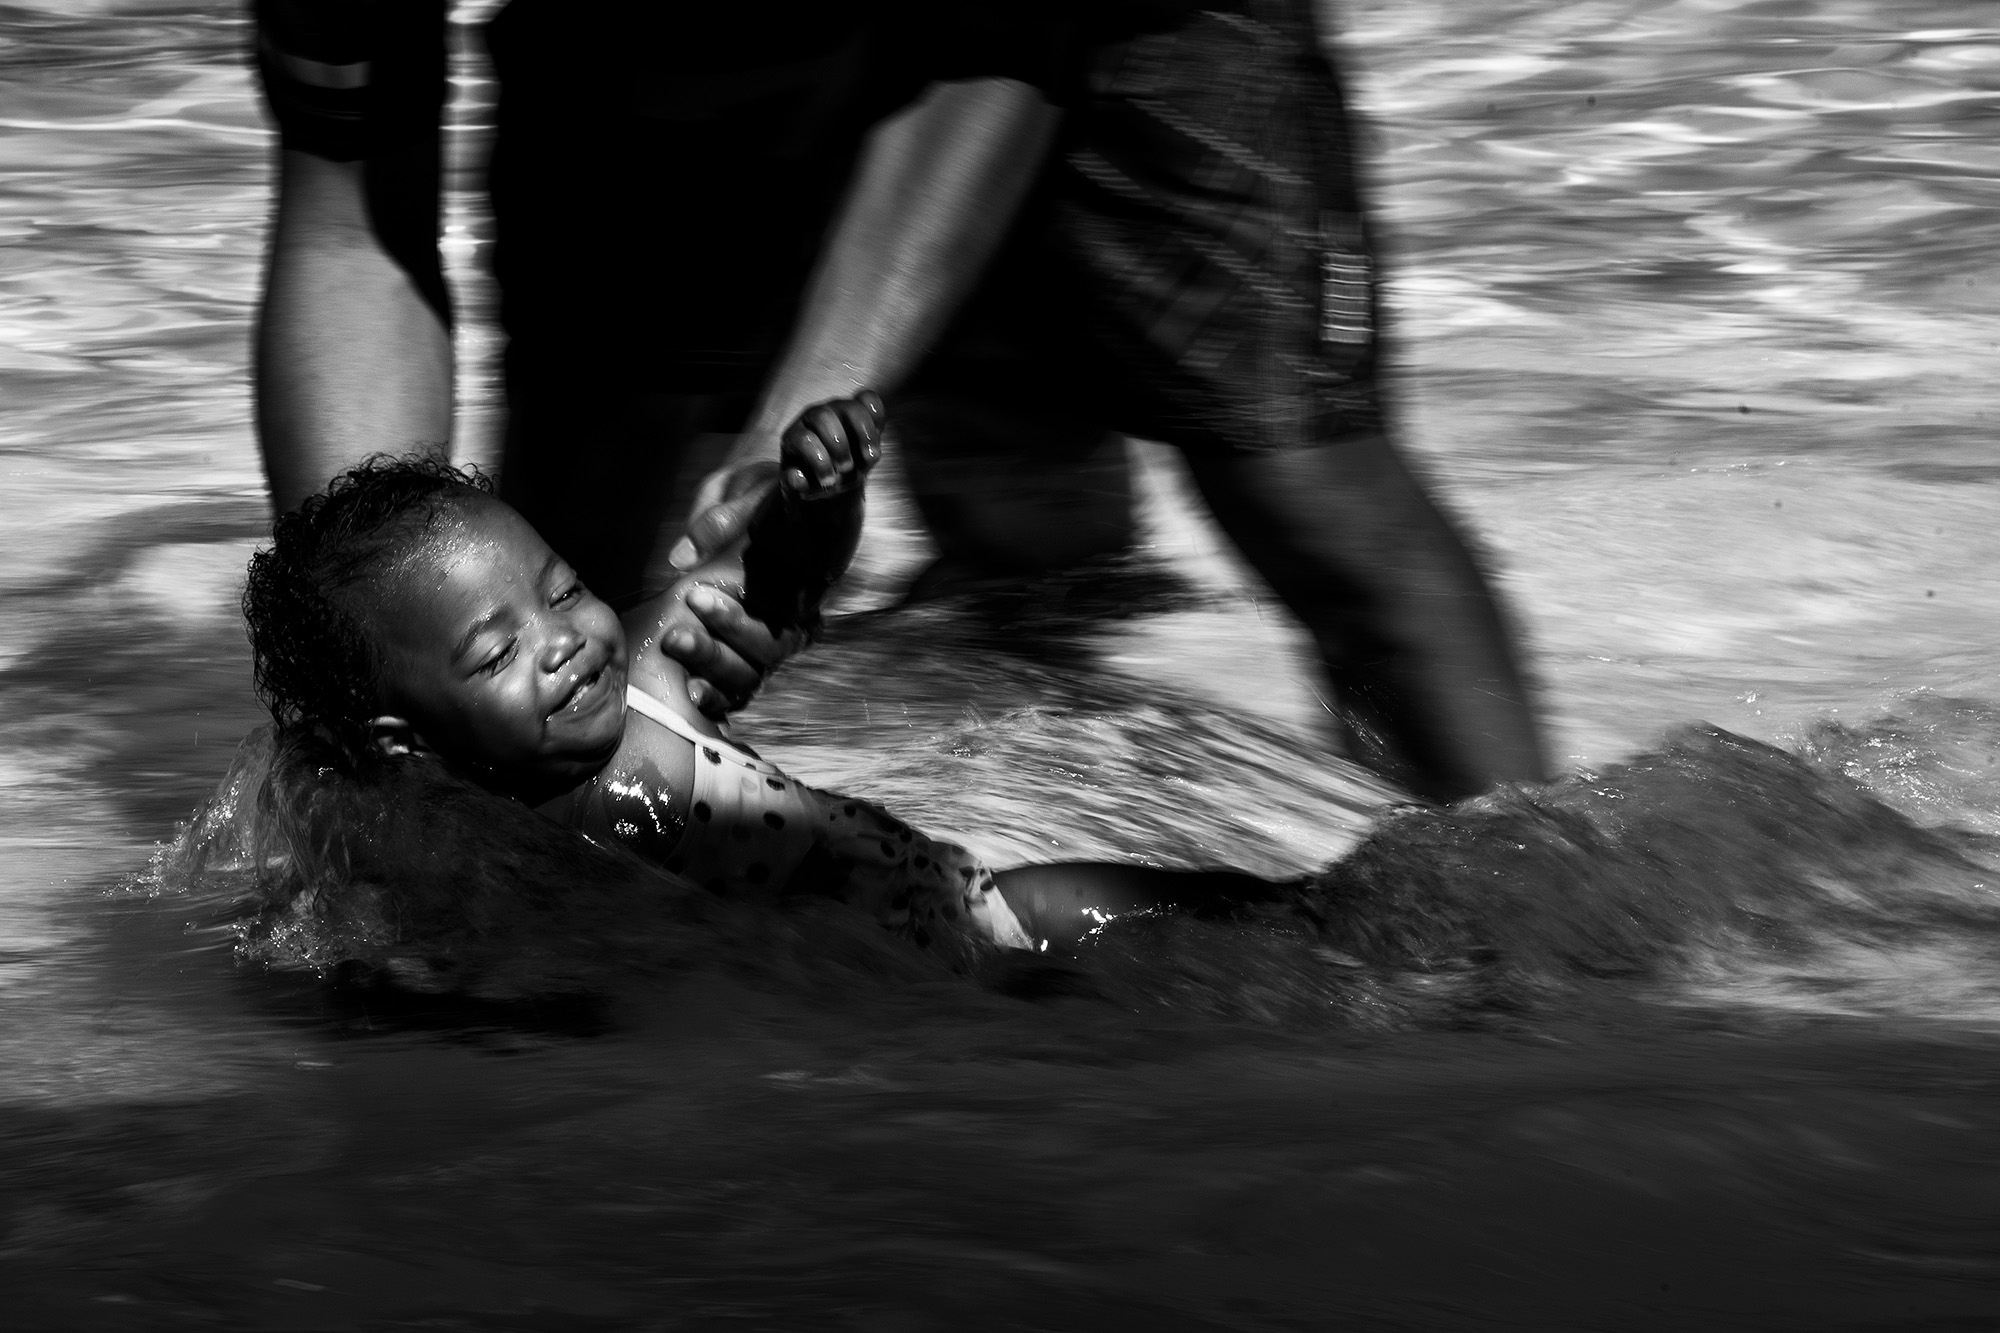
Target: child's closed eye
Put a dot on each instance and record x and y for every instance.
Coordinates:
(492, 665)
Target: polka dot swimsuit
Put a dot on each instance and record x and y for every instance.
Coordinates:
(750, 828)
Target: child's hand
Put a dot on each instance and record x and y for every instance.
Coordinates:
(816, 456)
(832, 445)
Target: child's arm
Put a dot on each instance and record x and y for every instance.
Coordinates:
(804, 536)
(814, 521)
(1062, 903)
(833, 445)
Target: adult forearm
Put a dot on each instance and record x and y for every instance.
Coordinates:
(936, 190)
(350, 358)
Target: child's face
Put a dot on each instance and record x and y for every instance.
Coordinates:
(497, 654)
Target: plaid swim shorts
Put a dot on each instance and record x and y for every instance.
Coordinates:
(1196, 267)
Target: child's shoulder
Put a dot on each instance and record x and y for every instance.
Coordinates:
(653, 758)
(652, 672)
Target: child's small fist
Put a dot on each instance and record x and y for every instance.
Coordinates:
(833, 444)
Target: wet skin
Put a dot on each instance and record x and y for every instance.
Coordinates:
(498, 655)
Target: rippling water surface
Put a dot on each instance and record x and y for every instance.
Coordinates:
(1698, 333)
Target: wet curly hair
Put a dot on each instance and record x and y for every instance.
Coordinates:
(316, 664)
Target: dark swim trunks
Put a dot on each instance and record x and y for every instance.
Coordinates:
(663, 175)
(1193, 267)
(1196, 267)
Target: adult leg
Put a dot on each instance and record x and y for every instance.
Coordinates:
(1208, 229)
(1419, 655)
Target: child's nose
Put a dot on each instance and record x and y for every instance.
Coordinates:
(562, 646)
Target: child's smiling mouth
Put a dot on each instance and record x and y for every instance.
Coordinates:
(585, 694)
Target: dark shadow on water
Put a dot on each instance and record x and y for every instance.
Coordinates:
(357, 1002)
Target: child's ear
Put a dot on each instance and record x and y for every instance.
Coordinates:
(392, 735)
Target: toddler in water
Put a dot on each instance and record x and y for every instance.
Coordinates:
(408, 614)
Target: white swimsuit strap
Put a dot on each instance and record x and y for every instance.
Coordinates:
(646, 704)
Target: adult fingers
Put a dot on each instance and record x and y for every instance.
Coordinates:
(730, 678)
(715, 529)
(710, 700)
(731, 626)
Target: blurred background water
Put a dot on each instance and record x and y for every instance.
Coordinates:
(1696, 299)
